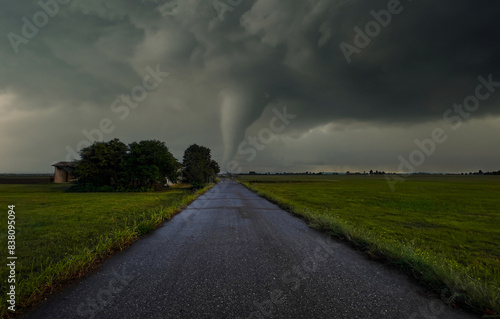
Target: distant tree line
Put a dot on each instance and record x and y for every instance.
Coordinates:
(371, 172)
(492, 173)
(480, 172)
(140, 166)
(283, 173)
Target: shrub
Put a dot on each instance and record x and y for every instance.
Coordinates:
(106, 189)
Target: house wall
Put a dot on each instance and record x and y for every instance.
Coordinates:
(61, 176)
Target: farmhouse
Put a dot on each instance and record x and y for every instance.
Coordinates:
(63, 172)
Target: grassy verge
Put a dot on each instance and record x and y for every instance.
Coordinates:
(443, 231)
(62, 236)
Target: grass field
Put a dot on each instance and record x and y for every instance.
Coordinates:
(60, 236)
(443, 229)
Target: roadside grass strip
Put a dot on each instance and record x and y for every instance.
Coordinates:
(64, 236)
(459, 284)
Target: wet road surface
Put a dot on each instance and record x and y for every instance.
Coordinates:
(232, 254)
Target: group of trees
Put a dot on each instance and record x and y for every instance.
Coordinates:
(144, 165)
(199, 167)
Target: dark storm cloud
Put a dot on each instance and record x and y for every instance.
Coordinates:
(424, 61)
(63, 61)
(260, 54)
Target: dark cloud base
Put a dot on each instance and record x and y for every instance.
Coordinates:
(262, 53)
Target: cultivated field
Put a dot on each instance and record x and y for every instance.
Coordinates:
(24, 179)
(443, 229)
(60, 236)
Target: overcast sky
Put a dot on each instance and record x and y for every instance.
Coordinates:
(268, 85)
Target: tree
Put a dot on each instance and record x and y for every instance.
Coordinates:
(100, 163)
(107, 165)
(150, 162)
(215, 167)
(198, 165)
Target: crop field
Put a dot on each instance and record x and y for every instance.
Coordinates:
(60, 235)
(445, 230)
(24, 179)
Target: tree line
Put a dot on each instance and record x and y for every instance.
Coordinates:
(140, 166)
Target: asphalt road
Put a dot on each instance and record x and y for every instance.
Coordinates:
(231, 254)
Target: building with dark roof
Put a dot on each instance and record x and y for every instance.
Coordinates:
(63, 172)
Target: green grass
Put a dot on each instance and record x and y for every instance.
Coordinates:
(60, 236)
(443, 229)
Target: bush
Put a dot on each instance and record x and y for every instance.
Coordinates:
(144, 227)
(82, 188)
(106, 189)
(197, 185)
